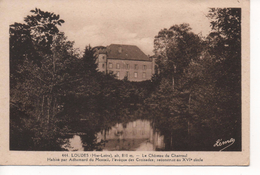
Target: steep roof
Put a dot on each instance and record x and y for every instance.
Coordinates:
(126, 52)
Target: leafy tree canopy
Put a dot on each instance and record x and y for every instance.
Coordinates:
(175, 48)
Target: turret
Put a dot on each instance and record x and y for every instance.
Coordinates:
(101, 53)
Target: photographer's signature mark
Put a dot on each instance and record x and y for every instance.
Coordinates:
(229, 142)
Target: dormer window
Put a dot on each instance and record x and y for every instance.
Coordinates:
(120, 49)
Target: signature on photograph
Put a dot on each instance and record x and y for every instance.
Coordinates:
(228, 143)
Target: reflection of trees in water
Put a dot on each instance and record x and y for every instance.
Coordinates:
(88, 126)
(89, 142)
(132, 134)
(173, 128)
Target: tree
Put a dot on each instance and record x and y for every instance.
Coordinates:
(225, 51)
(36, 61)
(30, 40)
(206, 100)
(89, 60)
(43, 27)
(225, 45)
(175, 48)
(214, 80)
(40, 57)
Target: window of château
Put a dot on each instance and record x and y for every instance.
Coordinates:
(135, 75)
(144, 67)
(118, 66)
(144, 75)
(136, 66)
(110, 65)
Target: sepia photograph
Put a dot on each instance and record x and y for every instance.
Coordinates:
(94, 77)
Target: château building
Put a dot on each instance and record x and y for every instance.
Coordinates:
(125, 61)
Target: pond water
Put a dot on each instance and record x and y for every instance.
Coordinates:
(137, 135)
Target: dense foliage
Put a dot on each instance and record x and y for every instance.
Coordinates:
(203, 102)
(193, 99)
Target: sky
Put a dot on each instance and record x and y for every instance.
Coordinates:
(100, 22)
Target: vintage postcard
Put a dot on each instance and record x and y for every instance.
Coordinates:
(120, 82)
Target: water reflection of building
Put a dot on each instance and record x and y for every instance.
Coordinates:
(136, 135)
(133, 136)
